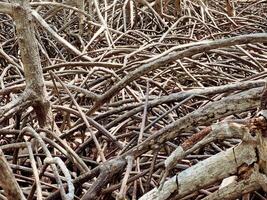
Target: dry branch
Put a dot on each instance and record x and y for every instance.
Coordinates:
(8, 181)
(5, 8)
(206, 71)
(205, 172)
(173, 55)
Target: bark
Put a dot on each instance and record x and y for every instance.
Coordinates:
(8, 181)
(173, 55)
(233, 104)
(31, 60)
(215, 110)
(230, 8)
(178, 8)
(5, 8)
(205, 173)
(247, 161)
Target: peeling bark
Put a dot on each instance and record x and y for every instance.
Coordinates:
(205, 173)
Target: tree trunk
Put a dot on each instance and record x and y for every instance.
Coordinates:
(28, 46)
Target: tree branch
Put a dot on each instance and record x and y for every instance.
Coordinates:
(176, 53)
(5, 8)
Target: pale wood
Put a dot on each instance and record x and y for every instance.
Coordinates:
(205, 172)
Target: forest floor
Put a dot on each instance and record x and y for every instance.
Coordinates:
(133, 84)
